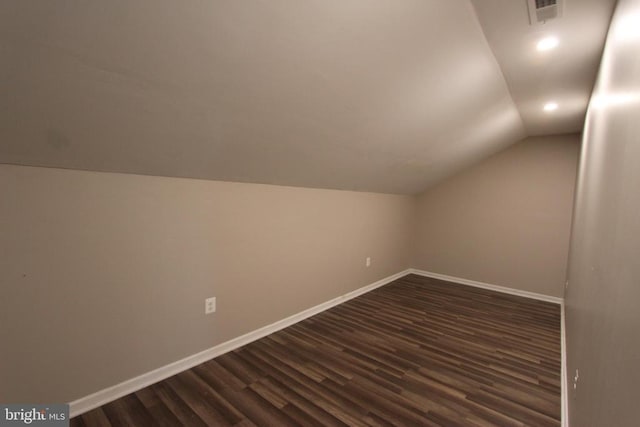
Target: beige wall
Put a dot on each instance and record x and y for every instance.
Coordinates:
(603, 297)
(104, 275)
(504, 221)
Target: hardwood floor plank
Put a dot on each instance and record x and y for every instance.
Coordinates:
(95, 418)
(190, 393)
(418, 351)
(176, 405)
(160, 413)
(127, 411)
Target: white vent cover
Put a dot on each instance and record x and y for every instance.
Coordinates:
(541, 11)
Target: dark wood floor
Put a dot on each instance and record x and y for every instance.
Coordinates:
(416, 352)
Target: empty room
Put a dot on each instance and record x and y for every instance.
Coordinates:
(319, 213)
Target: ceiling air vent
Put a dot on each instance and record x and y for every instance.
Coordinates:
(541, 11)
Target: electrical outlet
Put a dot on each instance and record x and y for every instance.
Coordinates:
(367, 262)
(566, 285)
(210, 305)
(575, 379)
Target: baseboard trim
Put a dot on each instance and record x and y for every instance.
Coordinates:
(99, 398)
(563, 369)
(489, 286)
(112, 393)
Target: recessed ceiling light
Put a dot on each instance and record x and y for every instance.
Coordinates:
(550, 106)
(547, 43)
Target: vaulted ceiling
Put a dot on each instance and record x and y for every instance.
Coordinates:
(373, 95)
(564, 75)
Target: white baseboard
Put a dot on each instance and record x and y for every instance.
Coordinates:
(489, 286)
(112, 393)
(563, 370)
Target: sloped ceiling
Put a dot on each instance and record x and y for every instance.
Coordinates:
(373, 95)
(564, 75)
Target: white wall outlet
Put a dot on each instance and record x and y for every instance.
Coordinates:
(210, 305)
(367, 262)
(575, 379)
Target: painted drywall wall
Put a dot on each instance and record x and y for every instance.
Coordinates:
(104, 276)
(505, 221)
(602, 314)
